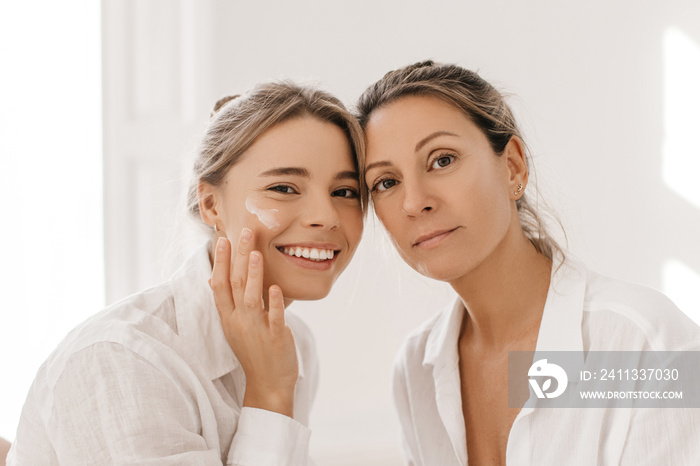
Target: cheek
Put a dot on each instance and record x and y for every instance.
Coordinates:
(266, 217)
(263, 238)
(265, 235)
(491, 209)
(390, 215)
(351, 220)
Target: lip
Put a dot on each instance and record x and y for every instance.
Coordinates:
(332, 246)
(433, 239)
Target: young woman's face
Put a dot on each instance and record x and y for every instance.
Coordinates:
(438, 188)
(297, 188)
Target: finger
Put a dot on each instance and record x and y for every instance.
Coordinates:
(276, 313)
(239, 264)
(253, 289)
(219, 280)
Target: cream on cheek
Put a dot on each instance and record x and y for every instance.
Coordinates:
(268, 217)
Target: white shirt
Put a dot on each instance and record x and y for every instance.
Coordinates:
(584, 311)
(152, 380)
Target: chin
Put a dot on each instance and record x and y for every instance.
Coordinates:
(304, 291)
(443, 271)
(305, 295)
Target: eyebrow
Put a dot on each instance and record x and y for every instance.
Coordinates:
(419, 146)
(348, 175)
(299, 171)
(432, 136)
(279, 171)
(383, 163)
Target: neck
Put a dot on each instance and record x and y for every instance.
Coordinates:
(505, 295)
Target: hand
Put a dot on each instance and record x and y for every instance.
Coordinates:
(260, 338)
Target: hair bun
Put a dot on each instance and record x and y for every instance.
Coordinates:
(423, 64)
(221, 102)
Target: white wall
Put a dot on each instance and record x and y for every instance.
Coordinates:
(596, 87)
(51, 264)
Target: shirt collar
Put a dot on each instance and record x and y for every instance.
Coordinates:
(560, 329)
(441, 353)
(441, 345)
(562, 319)
(198, 320)
(561, 326)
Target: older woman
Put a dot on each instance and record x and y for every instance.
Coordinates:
(448, 173)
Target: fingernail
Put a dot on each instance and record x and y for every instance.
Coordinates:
(221, 243)
(246, 234)
(254, 258)
(275, 292)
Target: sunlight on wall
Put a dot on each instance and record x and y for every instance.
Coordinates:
(681, 152)
(682, 285)
(51, 275)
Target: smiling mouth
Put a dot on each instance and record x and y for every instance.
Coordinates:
(312, 254)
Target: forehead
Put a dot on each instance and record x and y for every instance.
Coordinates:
(402, 124)
(302, 141)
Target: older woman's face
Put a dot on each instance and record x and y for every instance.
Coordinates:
(438, 188)
(297, 188)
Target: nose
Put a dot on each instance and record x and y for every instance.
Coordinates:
(321, 212)
(417, 199)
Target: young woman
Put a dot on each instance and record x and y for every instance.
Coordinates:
(162, 377)
(448, 173)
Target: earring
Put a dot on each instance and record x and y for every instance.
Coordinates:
(216, 228)
(519, 190)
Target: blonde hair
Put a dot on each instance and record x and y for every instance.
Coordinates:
(239, 120)
(481, 103)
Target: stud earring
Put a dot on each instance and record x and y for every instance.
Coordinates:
(519, 190)
(216, 228)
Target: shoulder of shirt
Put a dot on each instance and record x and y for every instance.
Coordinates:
(134, 318)
(644, 310)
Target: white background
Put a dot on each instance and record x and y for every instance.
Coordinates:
(606, 92)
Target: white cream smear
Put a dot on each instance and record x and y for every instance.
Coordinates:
(265, 216)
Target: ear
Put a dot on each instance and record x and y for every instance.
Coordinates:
(517, 166)
(209, 196)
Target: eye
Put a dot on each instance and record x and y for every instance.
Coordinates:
(348, 193)
(284, 189)
(442, 161)
(384, 184)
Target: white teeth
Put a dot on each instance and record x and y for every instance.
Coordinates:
(310, 253)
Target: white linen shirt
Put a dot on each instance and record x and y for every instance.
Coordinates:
(584, 311)
(152, 380)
